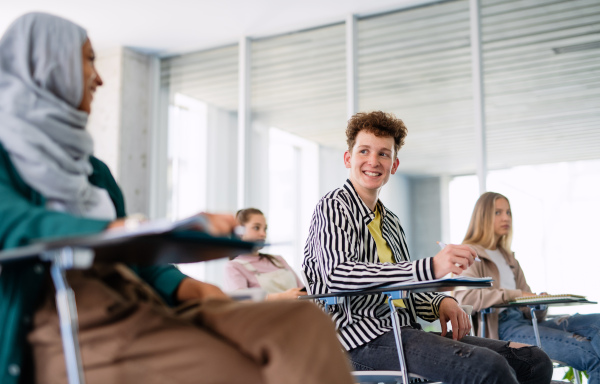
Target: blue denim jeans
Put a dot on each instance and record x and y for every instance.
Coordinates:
(574, 340)
(472, 360)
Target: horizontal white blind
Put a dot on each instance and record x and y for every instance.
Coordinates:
(541, 71)
(542, 79)
(298, 83)
(210, 76)
(417, 64)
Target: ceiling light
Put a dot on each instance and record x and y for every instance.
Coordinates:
(577, 47)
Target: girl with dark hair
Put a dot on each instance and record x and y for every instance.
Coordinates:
(261, 270)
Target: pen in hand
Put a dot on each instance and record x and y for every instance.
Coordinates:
(442, 245)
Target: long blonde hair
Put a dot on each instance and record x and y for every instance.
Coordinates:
(481, 227)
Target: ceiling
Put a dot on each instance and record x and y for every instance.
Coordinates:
(542, 82)
(175, 26)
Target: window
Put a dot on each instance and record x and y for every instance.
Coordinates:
(293, 194)
(187, 157)
(200, 90)
(555, 223)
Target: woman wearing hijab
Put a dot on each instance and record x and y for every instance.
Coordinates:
(52, 185)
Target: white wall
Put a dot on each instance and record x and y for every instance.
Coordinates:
(222, 150)
(396, 197)
(332, 172)
(105, 120)
(426, 218)
(134, 149)
(258, 173)
(120, 122)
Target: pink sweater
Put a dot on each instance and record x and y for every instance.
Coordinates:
(238, 277)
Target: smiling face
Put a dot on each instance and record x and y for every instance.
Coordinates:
(371, 162)
(502, 218)
(91, 78)
(256, 228)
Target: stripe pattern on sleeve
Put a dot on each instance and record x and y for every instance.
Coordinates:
(340, 254)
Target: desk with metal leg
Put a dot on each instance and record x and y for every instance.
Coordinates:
(81, 252)
(533, 307)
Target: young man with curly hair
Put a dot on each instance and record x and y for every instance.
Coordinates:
(356, 242)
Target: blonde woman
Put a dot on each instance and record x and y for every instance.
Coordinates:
(574, 340)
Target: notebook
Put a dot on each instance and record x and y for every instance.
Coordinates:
(548, 298)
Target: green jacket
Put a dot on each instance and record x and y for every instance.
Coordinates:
(23, 217)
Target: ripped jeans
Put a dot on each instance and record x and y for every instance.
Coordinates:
(574, 340)
(472, 360)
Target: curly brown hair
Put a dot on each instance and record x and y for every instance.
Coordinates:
(380, 124)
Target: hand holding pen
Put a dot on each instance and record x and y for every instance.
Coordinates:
(453, 259)
(442, 245)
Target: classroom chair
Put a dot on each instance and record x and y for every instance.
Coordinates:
(395, 377)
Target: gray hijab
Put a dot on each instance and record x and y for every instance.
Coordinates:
(41, 128)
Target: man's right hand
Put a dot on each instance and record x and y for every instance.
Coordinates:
(453, 258)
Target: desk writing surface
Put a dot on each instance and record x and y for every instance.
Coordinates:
(439, 285)
(155, 248)
(559, 302)
(455, 283)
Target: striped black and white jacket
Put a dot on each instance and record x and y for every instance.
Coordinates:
(340, 254)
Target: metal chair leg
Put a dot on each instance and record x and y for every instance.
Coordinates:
(576, 374)
(62, 260)
(398, 337)
(532, 309)
(482, 314)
